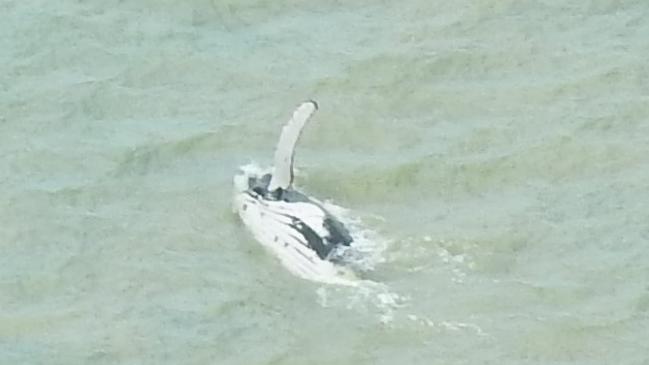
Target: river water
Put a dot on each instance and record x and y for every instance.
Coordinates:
(497, 150)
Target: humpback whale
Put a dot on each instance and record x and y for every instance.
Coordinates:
(295, 227)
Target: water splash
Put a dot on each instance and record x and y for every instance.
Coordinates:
(367, 297)
(367, 251)
(368, 248)
(362, 256)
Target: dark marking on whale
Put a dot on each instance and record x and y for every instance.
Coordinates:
(314, 241)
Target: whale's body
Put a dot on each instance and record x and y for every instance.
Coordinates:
(296, 228)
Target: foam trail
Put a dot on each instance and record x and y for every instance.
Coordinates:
(367, 297)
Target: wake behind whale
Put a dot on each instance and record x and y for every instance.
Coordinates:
(298, 229)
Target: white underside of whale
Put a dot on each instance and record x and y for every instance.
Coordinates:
(269, 222)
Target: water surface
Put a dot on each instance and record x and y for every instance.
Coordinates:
(499, 148)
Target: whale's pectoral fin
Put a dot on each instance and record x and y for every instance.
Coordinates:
(283, 169)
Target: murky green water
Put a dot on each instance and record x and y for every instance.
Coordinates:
(500, 148)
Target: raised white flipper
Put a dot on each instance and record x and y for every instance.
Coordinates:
(282, 176)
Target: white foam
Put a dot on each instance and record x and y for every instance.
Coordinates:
(367, 297)
(368, 248)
